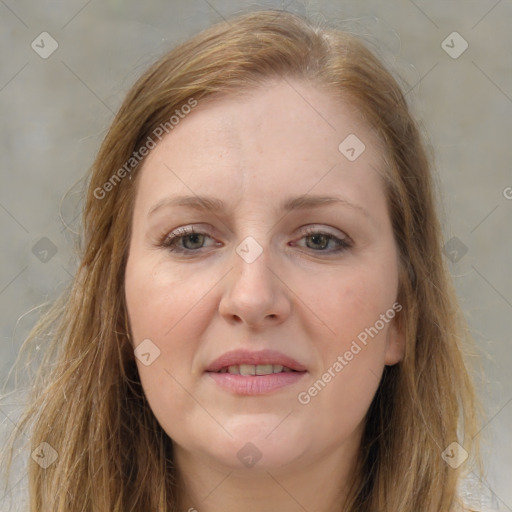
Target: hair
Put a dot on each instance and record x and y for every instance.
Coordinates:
(87, 400)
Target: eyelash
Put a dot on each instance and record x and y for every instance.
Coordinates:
(170, 241)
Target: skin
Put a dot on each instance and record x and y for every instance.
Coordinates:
(299, 296)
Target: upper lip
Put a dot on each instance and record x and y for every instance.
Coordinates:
(237, 357)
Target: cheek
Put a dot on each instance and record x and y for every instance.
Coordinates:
(155, 315)
(349, 303)
(158, 299)
(356, 310)
(164, 307)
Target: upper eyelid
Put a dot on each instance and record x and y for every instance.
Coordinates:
(174, 238)
(189, 230)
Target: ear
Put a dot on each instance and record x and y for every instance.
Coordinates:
(395, 343)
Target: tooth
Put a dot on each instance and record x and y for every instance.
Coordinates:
(247, 369)
(263, 369)
(250, 369)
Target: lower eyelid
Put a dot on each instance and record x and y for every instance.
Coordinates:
(171, 242)
(341, 243)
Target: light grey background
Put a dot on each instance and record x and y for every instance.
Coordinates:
(55, 110)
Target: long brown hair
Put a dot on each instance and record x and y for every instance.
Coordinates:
(88, 403)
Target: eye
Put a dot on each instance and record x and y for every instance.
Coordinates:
(186, 240)
(185, 235)
(321, 239)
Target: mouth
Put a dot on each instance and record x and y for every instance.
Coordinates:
(243, 372)
(246, 362)
(251, 369)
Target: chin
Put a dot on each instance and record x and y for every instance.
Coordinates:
(257, 446)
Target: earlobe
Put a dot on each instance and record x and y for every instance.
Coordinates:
(395, 349)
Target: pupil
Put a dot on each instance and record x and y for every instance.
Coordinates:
(193, 237)
(315, 239)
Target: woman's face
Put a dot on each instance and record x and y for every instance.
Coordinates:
(267, 268)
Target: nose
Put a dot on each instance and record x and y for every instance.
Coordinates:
(255, 293)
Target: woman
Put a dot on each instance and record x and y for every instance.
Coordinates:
(306, 354)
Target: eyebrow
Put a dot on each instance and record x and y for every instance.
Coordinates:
(205, 202)
(214, 204)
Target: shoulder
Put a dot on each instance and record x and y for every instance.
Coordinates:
(474, 496)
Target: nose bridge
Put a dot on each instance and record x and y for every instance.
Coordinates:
(254, 292)
(252, 267)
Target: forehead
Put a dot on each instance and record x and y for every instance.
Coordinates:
(290, 138)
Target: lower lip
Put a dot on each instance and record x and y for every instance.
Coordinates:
(255, 384)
